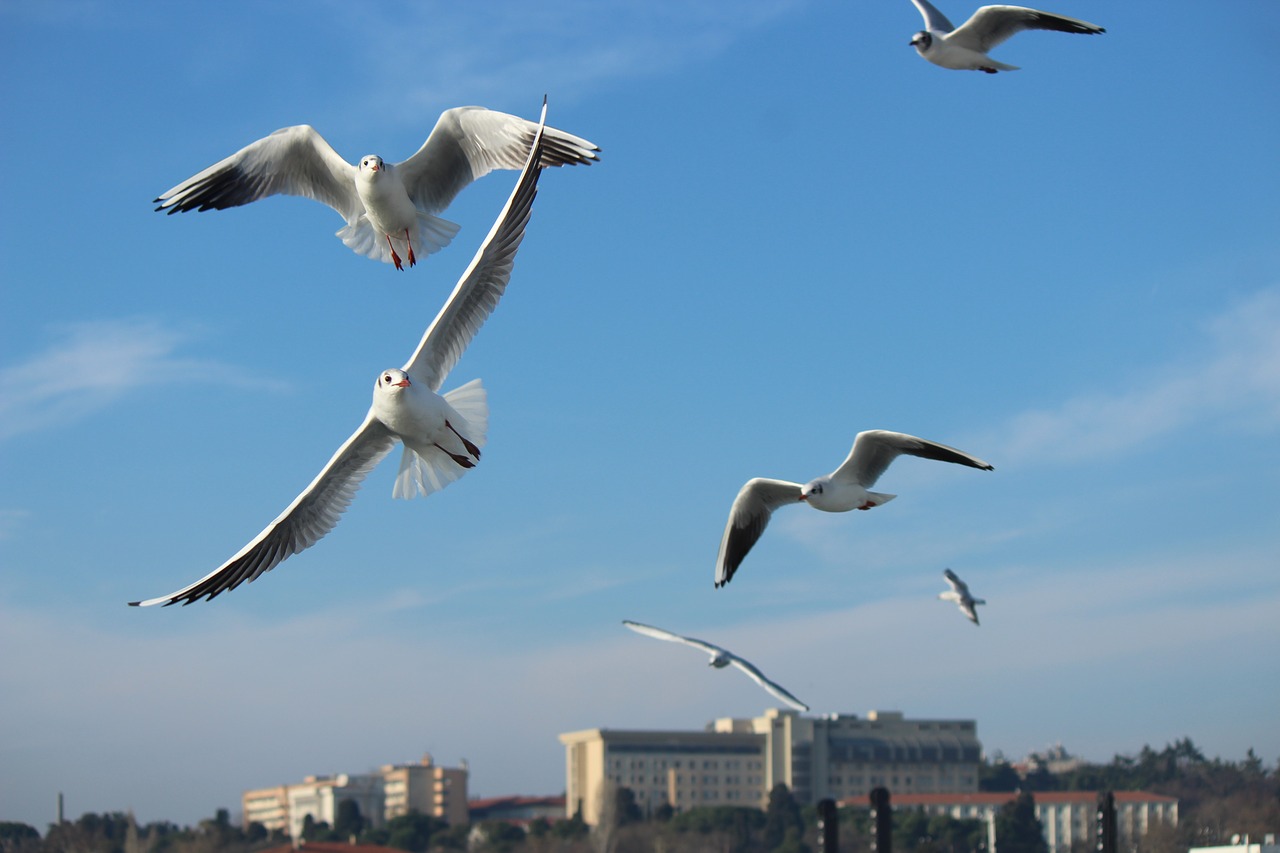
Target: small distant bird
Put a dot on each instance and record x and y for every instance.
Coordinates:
(720, 658)
(844, 489)
(965, 49)
(442, 435)
(386, 205)
(959, 593)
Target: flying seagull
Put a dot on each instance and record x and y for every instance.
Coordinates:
(843, 489)
(959, 593)
(965, 49)
(388, 206)
(442, 436)
(720, 658)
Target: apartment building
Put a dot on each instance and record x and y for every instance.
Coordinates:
(738, 761)
(1067, 816)
(396, 789)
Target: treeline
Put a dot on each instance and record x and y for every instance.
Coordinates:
(1217, 799)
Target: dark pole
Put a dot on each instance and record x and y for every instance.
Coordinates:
(828, 826)
(1106, 822)
(882, 820)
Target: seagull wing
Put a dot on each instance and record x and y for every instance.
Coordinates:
(758, 677)
(958, 585)
(468, 143)
(311, 515)
(874, 449)
(748, 518)
(293, 160)
(660, 634)
(992, 25)
(933, 19)
(477, 293)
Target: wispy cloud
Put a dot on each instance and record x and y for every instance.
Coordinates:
(95, 364)
(1234, 374)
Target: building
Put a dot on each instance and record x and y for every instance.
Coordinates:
(1067, 816)
(396, 789)
(519, 810)
(738, 761)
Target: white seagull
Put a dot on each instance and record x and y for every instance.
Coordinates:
(442, 436)
(386, 205)
(720, 658)
(843, 489)
(959, 593)
(965, 48)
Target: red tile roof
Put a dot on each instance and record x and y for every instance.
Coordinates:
(999, 798)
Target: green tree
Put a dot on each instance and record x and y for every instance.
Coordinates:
(781, 815)
(348, 822)
(1018, 830)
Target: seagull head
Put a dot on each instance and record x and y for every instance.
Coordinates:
(922, 41)
(371, 163)
(808, 490)
(719, 660)
(392, 379)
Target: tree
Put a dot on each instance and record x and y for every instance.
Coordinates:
(348, 822)
(1018, 830)
(781, 815)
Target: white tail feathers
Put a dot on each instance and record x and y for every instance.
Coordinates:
(878, 499)
(362, 238)
(427, 470)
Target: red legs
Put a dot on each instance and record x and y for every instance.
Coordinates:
(471, 448)
(458, 457)
(867, 505)
(412, 259)
(395, 259)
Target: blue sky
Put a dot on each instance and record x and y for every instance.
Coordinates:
(799, 229)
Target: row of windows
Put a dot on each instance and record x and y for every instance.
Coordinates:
(693, 764)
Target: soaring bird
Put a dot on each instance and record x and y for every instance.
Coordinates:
(965, 48)
(843, 489)
(959, 593)
(388, 206)
(720, 658)
(442, 435)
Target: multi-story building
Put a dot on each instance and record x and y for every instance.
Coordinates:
(1068, 817)
(396, 789)
(738, 761)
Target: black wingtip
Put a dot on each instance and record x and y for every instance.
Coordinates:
(135, 603)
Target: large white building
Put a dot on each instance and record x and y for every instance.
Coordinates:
(1067, 816)
(738, 761)
(396, 789)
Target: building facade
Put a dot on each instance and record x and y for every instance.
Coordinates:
(1067, 817)
(396, 789)
(738, 761)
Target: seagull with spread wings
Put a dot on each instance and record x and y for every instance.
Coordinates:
(442, 435)
(959, 593)
(720, 658)
(386, 205)
(965, 48)
(843, 489)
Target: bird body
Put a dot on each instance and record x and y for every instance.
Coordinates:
(720, 658)
(847, 488)
(442, 434)
(389, 207)
(965, 48)
(959, 593)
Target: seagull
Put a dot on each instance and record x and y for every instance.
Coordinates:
(965, 49)
(843, 489)
(720, 658)
(959, 593)
(442, 436)
(386, 205)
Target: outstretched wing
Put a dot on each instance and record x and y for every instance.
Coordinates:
(311, 515)
(476, 294)
(873, 451)
(468, 143)
(933, 19)
(776, 689)
(992, 25)
(293, 160)
(748, 517)
(660, 634)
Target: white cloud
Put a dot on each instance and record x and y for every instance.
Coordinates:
(1234, 376)
(95, 364)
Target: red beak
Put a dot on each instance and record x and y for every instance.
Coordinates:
(403, 383)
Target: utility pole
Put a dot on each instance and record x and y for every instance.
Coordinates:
(881, 821)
